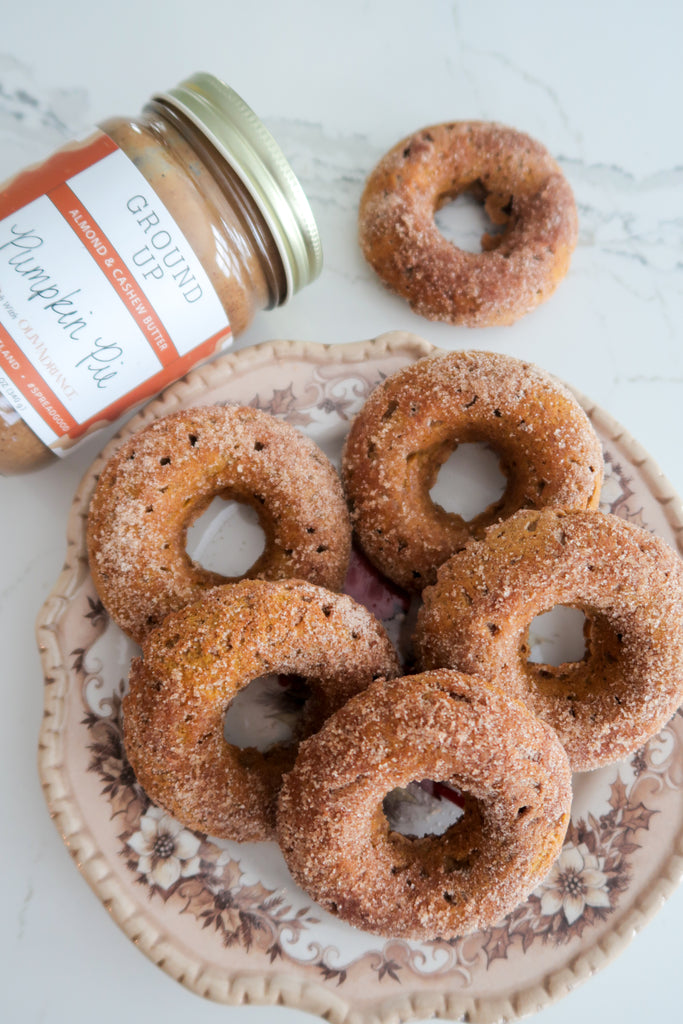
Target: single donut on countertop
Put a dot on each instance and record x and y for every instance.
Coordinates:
(629, 585)
(522, 188)
(196, 662)
(161, 479)
(413, 421)
(446, 727)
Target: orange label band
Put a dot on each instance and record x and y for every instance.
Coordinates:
(62, 165)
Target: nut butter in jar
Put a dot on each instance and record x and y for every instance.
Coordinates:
(133, 254)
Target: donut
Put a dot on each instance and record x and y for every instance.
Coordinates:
(161, 479)
(201, 656)
(522, 189)
(444, 726)
(414, 420)
(629, 585)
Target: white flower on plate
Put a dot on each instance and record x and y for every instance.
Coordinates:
(574, 882)
(166, 851)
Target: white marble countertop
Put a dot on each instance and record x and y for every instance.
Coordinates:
(338, 86)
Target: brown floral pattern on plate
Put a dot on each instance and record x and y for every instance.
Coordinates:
(186, 899)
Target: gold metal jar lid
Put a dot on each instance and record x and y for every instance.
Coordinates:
(245, 143)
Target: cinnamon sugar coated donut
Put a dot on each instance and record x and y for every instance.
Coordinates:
(161, 479)
(415, 419)
(202, 656)
(522, 188)
(444, 726)
(628, 583)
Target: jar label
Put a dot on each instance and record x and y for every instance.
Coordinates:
(102, 300)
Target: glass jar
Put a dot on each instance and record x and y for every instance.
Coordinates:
(133, 254)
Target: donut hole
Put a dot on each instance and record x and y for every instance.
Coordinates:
(266, 712)
(463, 220)
(469, 481)
(227, 538)
(557, 637)
(424, 808)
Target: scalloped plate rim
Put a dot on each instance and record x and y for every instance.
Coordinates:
(278, 988)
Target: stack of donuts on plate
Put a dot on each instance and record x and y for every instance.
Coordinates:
(474, 713)
(477, 715)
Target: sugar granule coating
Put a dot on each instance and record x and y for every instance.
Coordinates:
(446, 727)
(628, 583)
(163, 478)
(202, 656)
(522, 188)
(415, 419)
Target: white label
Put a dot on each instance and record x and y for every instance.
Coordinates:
(100, 292)
(72, 329)
(153, 247)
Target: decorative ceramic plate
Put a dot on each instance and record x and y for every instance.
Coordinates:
(225, 919)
